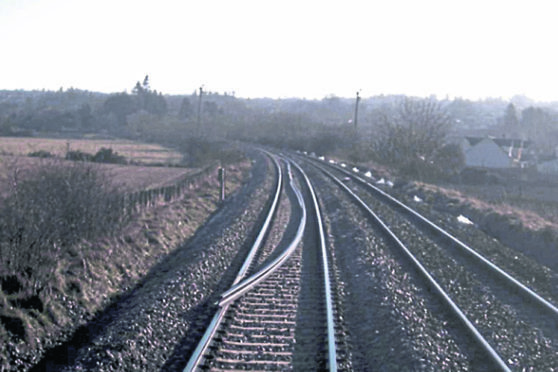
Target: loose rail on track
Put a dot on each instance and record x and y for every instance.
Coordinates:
(197, 355)
(244, 282)
(245, 285)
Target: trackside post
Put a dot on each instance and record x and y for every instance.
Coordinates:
(222, 183)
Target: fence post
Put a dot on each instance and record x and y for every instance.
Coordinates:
(222, 183)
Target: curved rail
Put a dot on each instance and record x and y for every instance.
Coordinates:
(332, 351)
(241, 285)
(480, 258)
(197, 355)
(265, 227)
(493, 355)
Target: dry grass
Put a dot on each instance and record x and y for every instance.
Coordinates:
(529, 219)
(538, 198)
(133, 151)
(93, 272)
(134, 178)
(126, 177)
(535, 207)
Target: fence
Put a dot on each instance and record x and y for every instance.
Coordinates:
(140, 201)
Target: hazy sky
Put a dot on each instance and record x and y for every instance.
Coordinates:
(284, 48)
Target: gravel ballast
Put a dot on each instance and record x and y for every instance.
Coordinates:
(393, 322)
(503, 318)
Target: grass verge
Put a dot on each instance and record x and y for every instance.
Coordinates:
(91, 273)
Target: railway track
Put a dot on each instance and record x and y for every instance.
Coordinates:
(547, 300)
(515, 326)
(340, 277)
(278, 315)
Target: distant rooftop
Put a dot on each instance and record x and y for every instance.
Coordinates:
(502, 142)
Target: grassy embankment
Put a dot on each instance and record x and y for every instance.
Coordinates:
(65, 282)
(522, 214)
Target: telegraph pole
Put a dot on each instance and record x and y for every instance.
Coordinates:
(356, 109)
(199, 109)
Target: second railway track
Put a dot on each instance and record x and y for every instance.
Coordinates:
(518, 332)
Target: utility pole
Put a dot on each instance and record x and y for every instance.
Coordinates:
(199, 109)
(356, 109)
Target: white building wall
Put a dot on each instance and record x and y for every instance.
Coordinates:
(487, 154)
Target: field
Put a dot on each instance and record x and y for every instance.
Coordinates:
(133, 151)
(14, 151)
(80, 278)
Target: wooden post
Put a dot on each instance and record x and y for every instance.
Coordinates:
(199, 111)
(356, 109)
(222, 183)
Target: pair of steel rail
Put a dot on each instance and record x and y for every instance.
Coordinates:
(243, 282)
(390, 200)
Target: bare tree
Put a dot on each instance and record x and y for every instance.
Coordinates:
(412, 136)
(540, 125)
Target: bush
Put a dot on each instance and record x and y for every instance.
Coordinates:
(78, 155)
(105, 155)
(49, 209)
(41, 154)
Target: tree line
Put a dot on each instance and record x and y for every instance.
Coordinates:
(404, 132)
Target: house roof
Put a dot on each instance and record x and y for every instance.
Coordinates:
(474, 140)
(502, 142)
(515, 142)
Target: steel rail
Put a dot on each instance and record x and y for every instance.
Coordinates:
(245, 285)
(424, 272)
(332, 350)
(480, 258)
(265, 227)
(197, 355)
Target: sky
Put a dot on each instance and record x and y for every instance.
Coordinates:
(284, 48)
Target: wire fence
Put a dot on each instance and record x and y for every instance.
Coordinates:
(142, 200)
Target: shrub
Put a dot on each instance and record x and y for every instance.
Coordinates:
(41, 154)
(78, 155)
(107, 155)
(104, 155)
(49, 209)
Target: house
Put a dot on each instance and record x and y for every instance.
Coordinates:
(485, 153)
(495, 153)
